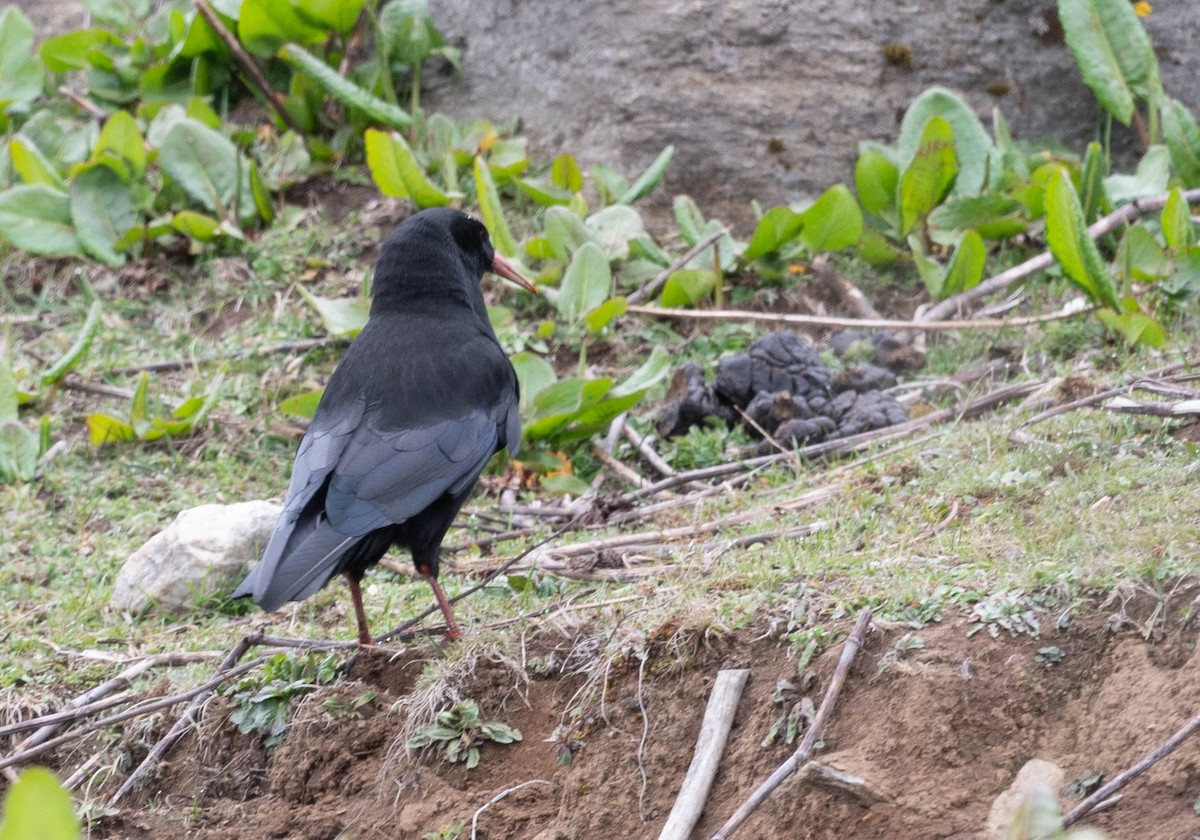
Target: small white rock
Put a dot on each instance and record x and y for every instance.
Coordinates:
(1037, 773)
(205, 550)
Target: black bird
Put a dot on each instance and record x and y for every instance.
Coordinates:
(422, 400)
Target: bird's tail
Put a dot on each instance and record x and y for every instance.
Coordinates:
(300, 558)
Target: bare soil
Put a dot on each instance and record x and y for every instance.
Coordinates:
(937, 733)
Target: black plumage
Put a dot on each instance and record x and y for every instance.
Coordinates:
(422, 400)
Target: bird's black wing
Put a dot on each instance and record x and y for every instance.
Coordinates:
(422, 425)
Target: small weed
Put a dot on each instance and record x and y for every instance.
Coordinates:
(449, 832)
(265, 701)
(461, 733)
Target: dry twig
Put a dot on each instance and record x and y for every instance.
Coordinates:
(651, 285)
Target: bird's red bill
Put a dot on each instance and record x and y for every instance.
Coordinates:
(505, 269)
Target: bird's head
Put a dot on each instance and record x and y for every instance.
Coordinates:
(439, 254)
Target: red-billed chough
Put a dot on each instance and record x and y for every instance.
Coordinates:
(422, 400)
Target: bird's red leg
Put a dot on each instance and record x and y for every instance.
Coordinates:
(364, 634)
(452, 629)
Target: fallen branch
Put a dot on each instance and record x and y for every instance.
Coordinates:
(647, 451)
(1101, 396)
(856, 323)
(710, 745)
(1183, 408)
(1104, 792)
(501, 795)
(804, 752)
(1004, 279)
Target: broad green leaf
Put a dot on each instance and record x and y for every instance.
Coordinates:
(37, 219)
(37, 806)
(565, 173)
(1177, 225)
(67, 52)
(264, 26)
(340, 316)
(586, 284)
(991, 215)
(1135, 327)
(545, 193)
(610, 184)
(1153, 172)
(1091, 182)
(21, 73)
(195, 225)
(557, 404)
(103, 211)
(103, 429)
(18, 461)
(687, 287)
(644, 247)
(565, 232)
(877, 249)
(833, 222)
(492, 210)
(396, 171)
(139, 408)
(261, 194)
(1184, 277)
(199, 37)
(966, 266)
(605, 313)
(75, 354)
(650, 373)
(1067, 236)
(613, 227)
(344, 90)
(1183, 139)
(303, 405)
(338, 15)
(972, 147)
(929, 174)
(1112, 50)
(1139, 256)
(690, 219)
(122, 138)
(875, 180)
(507, 159)
(534, 374)
(32, 165)
(930, 271)
(649, 179)
(777, 227)
(206, 164)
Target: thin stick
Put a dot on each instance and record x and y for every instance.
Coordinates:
(1101, 396)
(93, 110)
(647, 451)
(710, 745)
(1004, 279)
(249, 66)
(181, 364)
(626, 472)
(501, 795)
(1126, 776)
(804, 752)
(651, 285)
(856, 323)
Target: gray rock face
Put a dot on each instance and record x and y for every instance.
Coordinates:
(204, 551)
(766, 99)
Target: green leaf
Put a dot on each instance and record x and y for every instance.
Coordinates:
(966, 266)
(343, 90)
(929, 174)
(303, 405)
(139, 408)
(565, 232)
(610, 184)
(605, 313)
(18, 461)
(875, 180)
(21, 74)
(930, 271)
(8, 392)
(340, 316)
(687, 287)
(650, 373)
(877, 249)
(586, 284)
(833, 222)
(1183, 139)
(992, 216)
(1177, 225)
(492, 211)
(103, 429)
(102, 210)
(545, 193)
(1112, 50)
(534, 375)
(32, 165)
(261, 194)
(37, 806)
(1067, 237)
(554, 407)
(1135, 327)
(264, 26)
(122, 138)
(972, 147)
(195, 225)
(777, 227)
(1153, 172)
(205, 163)
(338, 15)
(1091, 181)
(396, 171)
(690, 219)
(565, 173)
(71, 359)
(649, 179)
(67, 52)
(613, 227)
(1139, 256)
(37, 219)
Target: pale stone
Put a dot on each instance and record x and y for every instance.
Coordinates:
(205, 550)
(1037, 773)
